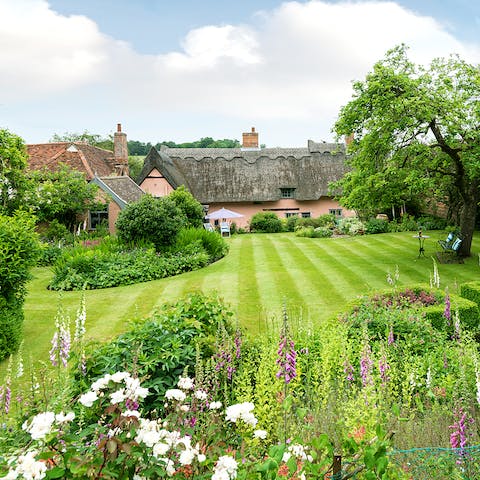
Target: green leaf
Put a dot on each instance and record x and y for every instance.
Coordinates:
(55, 472)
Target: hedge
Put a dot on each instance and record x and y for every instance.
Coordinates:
(468, 310)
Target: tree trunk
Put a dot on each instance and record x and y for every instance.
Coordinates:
(467, 219)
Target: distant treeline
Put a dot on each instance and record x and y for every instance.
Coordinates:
(141, 148)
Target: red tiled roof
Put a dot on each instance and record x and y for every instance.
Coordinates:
(87, 159)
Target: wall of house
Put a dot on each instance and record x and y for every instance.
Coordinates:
(281, 208)
(113, 211)
(156, 184)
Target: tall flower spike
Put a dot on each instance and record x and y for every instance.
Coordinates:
(287, 356)
(447, 312)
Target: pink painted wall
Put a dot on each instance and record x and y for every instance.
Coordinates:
(156, 184)
(282, 207)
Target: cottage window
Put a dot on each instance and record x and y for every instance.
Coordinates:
(306, 214)
(335, 211)
(97, 218)
(291, 214)
(287, 192)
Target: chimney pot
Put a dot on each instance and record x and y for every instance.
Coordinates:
(120, 151)
(119, 127)
(250, 139)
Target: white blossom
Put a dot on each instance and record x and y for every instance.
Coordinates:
(40, 426)
(225, 468)
(201, 395)
(61, 418)
(175, 394)
(215, 406)
(241, 411)
(118, 396)
(119, 377)
(29, 468)
(88, 398)
(260, 434)
(185, 383)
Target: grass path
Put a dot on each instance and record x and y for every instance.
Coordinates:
(260, 273)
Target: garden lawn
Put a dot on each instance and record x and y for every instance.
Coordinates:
(314, 277)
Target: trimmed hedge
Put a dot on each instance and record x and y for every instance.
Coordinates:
(471, 291)
(468, 310)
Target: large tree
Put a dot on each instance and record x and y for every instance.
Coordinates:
(416, 134)
(13, 162)
(62, 195)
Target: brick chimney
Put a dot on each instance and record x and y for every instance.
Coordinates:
(250, 139)
(349, 139)
(120, 151)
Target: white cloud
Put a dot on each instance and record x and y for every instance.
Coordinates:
(289, 72)
(43, 52)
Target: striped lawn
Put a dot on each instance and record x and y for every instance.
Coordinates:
(261, 273)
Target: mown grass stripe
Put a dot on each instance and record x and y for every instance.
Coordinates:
(346, 280)
(249, 301)
(311, 273)
(281, 278)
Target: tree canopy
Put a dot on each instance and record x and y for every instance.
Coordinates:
(415, 135)
(61, 195)
(13, 162)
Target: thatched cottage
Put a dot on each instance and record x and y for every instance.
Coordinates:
(247, 180)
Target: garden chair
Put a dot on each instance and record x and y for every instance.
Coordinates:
(454, 246)
(445, 244)
(225, 228)
(208, 227)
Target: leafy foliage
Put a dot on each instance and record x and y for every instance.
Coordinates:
(162, 347)
(13, 162)
(266, 222)
(310, 232)
(109, 264)
(19, 248)
(415, 135)
(154, 220)
(211, 242)
(190, 207)
(61, 195)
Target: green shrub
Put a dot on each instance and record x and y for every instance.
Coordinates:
(310, 232)
(351, 226)
(416, 312)
(49, 253)
(326, 220)
(160, 348)
(109, 264)
(189, 205)
(56, 232)
(19, 248)
(211, 242)
(407, 223)
(11, 322)
(291, 223)
(430, 222)
(376, 225)
(471, 291)
(266, 222)
(156, 220)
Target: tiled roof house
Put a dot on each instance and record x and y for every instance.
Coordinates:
(109, 170)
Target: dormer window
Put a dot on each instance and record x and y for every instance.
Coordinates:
(287, 192)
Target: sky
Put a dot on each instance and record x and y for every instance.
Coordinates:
(185, 69)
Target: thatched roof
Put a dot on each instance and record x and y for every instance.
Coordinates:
(240, 175)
